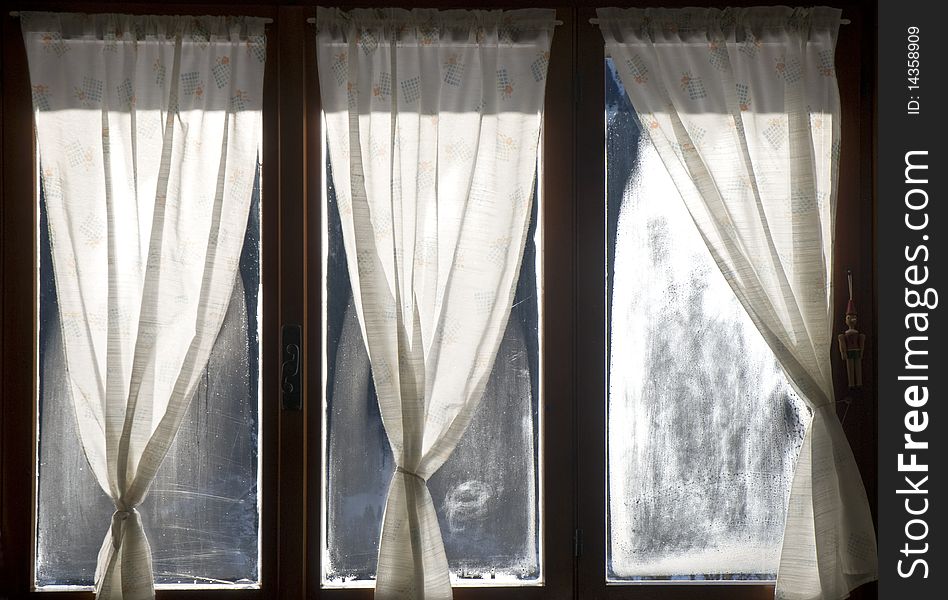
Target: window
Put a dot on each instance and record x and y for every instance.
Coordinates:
(493, 496)
(612, 562)
(203, 511)
(543, 501)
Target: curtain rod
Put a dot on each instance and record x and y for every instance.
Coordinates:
(16, 14)
(312, 21)
(841, 21)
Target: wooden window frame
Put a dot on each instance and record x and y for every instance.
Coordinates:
(573, 317)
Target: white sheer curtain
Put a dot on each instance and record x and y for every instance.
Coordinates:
(743, 107)
(433, 120)
(148, 131)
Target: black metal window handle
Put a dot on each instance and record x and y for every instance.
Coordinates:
(290, 368)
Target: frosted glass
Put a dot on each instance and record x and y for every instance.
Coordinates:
(201, 515)
(703, 427)
(486, 494)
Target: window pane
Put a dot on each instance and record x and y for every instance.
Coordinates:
(201, 514)
(703, 426)
(486, 494)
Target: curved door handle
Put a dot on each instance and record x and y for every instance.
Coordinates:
(290, 368)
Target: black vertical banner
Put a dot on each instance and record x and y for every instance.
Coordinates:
(911, 230)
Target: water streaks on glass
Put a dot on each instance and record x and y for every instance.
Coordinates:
(486, 495)
(202, 513)
(703, 426)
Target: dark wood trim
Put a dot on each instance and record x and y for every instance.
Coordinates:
(180, 7)
(293, 518)
(19, 288)
(314, 314)
(270, 268)
(591, 307)
(559, 327)
(856, 230)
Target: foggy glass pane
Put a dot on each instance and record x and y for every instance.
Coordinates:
(486, 495)
(703, 427)
(201, 514)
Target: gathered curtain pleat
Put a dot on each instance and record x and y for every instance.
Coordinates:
(743, 107)
(148, 130)
(433, 122)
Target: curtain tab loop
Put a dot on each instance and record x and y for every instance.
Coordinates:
(410, 474)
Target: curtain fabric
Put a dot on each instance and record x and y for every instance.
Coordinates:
(432, 120)
(743, 107)
(148, 131)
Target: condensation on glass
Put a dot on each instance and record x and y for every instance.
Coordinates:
(703, 427)
(487, 495)
(202, 513)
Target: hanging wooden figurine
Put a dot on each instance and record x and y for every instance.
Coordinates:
(852, 343)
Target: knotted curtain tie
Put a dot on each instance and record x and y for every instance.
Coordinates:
(120, 515)
(410, 474)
